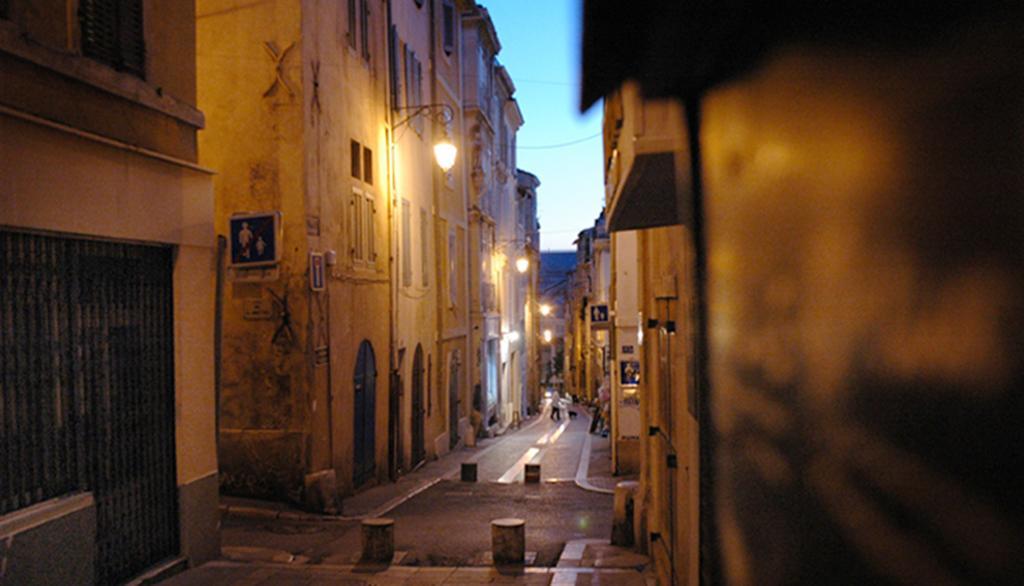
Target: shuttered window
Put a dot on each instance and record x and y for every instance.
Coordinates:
(352, 23)
(394, 62)
(448, 26)
(406, 249)
(112, 33)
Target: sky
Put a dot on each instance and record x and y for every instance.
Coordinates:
(540, 47)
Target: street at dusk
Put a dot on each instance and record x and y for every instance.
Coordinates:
(380, 292)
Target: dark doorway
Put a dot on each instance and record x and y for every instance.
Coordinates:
(364, 423)
(453, 399)
(418, 412)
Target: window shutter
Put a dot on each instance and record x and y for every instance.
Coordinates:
(408, 77)
(132, 37)
(417, 75)
(368, 166)
(373, 224)
(354, 225)
(394, 62)
(424, 247)
(406, 248)
(113, 33)
(364, 28)
(448, 34)
(352, 23)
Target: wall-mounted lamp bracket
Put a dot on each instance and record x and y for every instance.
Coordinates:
(441, 113)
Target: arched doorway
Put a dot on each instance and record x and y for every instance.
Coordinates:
(453, 399)
(418, 412)
(364, 383)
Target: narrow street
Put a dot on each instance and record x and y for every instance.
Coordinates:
(442, 524)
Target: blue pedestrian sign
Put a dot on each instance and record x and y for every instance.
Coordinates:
(255, 239)
(599, 314)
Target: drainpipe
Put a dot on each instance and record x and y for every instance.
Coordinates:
(392, 230)
(218, 317)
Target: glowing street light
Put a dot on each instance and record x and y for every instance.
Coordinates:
(522, 264)
(444, 153)
(547, 336)
(444, 150)
(545, 309)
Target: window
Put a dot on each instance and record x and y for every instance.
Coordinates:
(361, 229)
(424, 248)
(364, 21)
(406, 243)
(453, 273)
(368, 166)
(413, 86)
(448, 24)
(359, 27)
(394, 63)
(357, 158)
(352, 34)
(371, 235)
(363, 205)
(112, 33)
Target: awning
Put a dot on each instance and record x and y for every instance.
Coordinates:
(647, 199)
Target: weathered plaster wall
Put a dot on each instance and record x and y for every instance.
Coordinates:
(250, 83)
(346, 101)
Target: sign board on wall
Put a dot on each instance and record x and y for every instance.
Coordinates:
(255, 239)
(316, 271)
(599, 314)
(629, 373)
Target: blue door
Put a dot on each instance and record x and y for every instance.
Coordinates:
(364, 424)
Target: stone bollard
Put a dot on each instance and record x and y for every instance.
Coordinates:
(378, 540)
(622, 512)
(531, 474)
(469, 471)
(508, 541)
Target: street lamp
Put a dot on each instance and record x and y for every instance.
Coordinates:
(444, 150)
(522, 264)
(545, 309)
(547, 336)
(444, 153)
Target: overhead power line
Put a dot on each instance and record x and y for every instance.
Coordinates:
(560, 145)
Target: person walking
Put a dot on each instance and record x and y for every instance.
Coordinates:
(556, 405)
(604, 397)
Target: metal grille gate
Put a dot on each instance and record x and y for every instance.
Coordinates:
(87, 381)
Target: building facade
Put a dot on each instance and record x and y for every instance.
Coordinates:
(499, 285)
(526, 201)
(107, 280)
(825, 288)
(350, 356)
(298, 102)
(588, 318)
